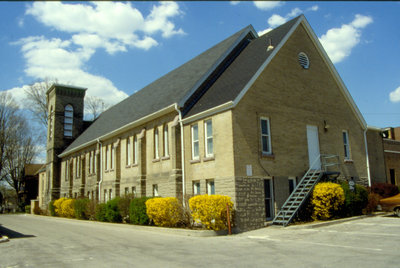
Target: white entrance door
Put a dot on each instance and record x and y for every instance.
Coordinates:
(313, 147)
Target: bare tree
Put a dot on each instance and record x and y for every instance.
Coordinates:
(36, 100)
(95, 106)
(16, 143)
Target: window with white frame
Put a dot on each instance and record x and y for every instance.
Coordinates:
(195, 142)
(135, 150)
(106, 159)
(155, 190)
(105, 196)
(166, 145)
(112, 156)
(66, 170)
(128, 151)
(210, 187)
(196, 187)
(346, 145)
(156, 147)
(208, 138)
(79, 166)
(90, 163)
(94, 161)
(68, 120)
(265, 136)
(292, 184)
(110, 195)
(134, 191)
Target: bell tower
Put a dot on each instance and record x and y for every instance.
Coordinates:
(65, 106)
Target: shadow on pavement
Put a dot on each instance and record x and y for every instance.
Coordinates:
(12, 234)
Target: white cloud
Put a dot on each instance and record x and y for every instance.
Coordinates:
(338, 42)
(394, 96)
(267, 5)
(234, 3)
(275, 20)
(113, 26)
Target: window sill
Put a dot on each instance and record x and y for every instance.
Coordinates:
(209, 158)
(156, 160)
(165, 157)
(348, 161)
(194, 161)
(267, 156)
(134, 165)
(128, 166)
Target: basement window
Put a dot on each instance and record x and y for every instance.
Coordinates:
(303, 60)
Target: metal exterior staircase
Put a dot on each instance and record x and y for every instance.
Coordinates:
(304, 188)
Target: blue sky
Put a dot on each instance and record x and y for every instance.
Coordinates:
(117, 48)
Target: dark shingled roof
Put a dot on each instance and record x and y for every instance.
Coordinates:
(232, 81)
(167, 90)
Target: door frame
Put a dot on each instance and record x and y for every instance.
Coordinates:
(313, 146)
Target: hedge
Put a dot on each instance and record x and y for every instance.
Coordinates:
(166, 212)
(327, 199)
(355, 201)
(137, 211)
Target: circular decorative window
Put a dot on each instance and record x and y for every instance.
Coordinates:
(303, 60)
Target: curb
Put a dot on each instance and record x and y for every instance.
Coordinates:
(327, 223)
(4, 239)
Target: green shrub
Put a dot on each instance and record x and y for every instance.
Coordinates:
(91, 210)
(81, 208)
(327, 199)
(52, 208)
(28, 209)
(355, 201)
(123, 207)
(137, 211)
(210, 210)
(67, 208)
(112, 210)
(166, 212)
(101, 212)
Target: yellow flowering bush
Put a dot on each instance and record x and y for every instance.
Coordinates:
(210, 210)
(57, 205)
(165, 211)
(67, 208)
(327, 198)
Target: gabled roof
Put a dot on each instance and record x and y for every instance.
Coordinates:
(228, 90)
(173, 88)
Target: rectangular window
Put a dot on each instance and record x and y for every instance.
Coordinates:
(195, 142)
(155, 190)
(134, 191)
(105, 196)
(66, 170)
(208, 138)
(210, 187)
(166, 145)
(126, 190)
(110, 195)
(265, 136)
(128, 151)
(79, 166)
(112, 156)
(196, 187)
(106, 158)
(94, 161)
(90, 163)
(135, 153)
(346, 145)
(292, 184)
(156, 147)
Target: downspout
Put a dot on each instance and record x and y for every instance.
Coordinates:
(101, 167)
(182, 154)
(367, 157)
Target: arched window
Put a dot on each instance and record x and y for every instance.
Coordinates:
(68, 120)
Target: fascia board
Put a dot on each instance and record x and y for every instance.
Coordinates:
(249, 29)
(266, 62)
(335, 74)
(122, 129)
(217, 109)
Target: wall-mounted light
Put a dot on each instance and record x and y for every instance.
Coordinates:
(326, 125)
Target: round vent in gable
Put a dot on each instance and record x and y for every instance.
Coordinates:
(303, 60)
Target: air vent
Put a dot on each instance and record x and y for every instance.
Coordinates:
(303, 60)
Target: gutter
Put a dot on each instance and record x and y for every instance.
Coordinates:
(367, 157)
(182, 154)
(122, 129)
(101, 167)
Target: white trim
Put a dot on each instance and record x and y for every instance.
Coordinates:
(367, 158)
(217, 109)
(122, 129)
(249, 29)
(346, 145)
(208, 154)
(392, 152)
(374, 128)
(269, 135)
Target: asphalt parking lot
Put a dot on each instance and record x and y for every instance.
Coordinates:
(37, 241)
